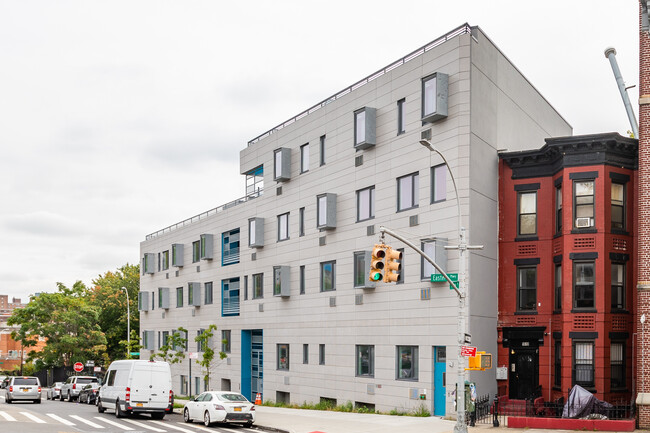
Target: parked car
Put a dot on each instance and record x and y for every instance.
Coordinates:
(73, 385)
(220, 406)
(54, 391)
(137, 386)
(5, 382)
(23, 388)
(88, 393)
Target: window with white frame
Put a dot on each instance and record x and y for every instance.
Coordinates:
(283, 227)
(583, 363)
(255, 181)
(583, 196)
(526, 288)
(407, 363)
(366, 203)
(618, 206)
(618, 286)
(407, 192)
(583, 284)
(527, 213)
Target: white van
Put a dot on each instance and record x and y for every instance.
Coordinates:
(137, 386)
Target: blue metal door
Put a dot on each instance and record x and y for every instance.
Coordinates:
(257, 362)
(439, 380)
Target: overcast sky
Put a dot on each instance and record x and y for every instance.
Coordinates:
(119, 118)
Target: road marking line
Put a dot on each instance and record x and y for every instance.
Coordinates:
(90, 423)
(143, 425)
(32, 417)
(59, 419)
(200, 428)
(6, 416)
(170, 425)
(116, 424)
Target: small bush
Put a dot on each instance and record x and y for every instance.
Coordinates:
(347, 407)
(421, 411)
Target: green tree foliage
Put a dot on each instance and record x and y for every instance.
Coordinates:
(173, 349)
(208, 353)
(107, 295)
(67, 320)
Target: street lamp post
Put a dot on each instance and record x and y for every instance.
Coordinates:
(128, 324)
(462, 247)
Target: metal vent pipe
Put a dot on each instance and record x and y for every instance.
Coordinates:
(610, 53)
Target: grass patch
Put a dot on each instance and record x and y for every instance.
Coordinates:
(420, 411)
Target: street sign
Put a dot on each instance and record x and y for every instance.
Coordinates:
(134, 353)
(193, 355)
(78, 367)
(439, 278)
(467, 351)
(468, 338)
(97, 369)
(90, 363)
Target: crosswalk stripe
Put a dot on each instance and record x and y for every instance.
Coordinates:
(116, 424)
(170, 425)
(90, 423)
(59, 419)
(198, 427)
(32, 417)
(143, 425)
(6, 416)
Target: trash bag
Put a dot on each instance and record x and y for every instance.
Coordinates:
(582, 403)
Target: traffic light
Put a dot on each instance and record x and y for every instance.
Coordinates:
(486, 360)
(393, 268)
(482, 361)
(377, 263)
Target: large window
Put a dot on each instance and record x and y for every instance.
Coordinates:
(283, 357)
(583, 363)
(230, 247)
(401, 117)
(527, 213)
(558, 287)
(583, 285)
(365, 361)
(283, 227)
(366, 203)
(617, 362)
(618, 206)
(558, 209)
(618, 286)
(258, 286)
(328, 276)
(407, 363)
(230, 297)
(209, 296)
(526, 288)
(407, 191)
(583, 203)
(438, 183)
(304, 158)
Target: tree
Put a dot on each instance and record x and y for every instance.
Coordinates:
(169, 350)
(66, 320)
(131, 345)
(207, 359)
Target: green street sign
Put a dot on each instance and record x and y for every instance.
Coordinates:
(439, 278)
(134, 353)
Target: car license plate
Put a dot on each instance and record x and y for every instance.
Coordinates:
(238, 409)
(138, 404)
(25, 389)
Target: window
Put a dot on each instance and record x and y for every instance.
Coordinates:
(407, 363)
(177, 255)
(281, 281)
(401, 117)
(583, 285)
(225, 341)
(230, 297)
(527, 213)
(255, 181)
(283, 357)
(258, 286)
(245, 287)
(179, 297)
(165, 338)
(190, 293)
(200, 345)
(305, 353)
(583, 363)
(366, 203)
(438, 183)
(184, 383)
(558, 209)
(321, 354)
(256, 232)
(434, 97)
(301, 222)
(557, 376)
(618, 206)
(434, 248)
(583, 202)
(361, 262)
(304, 158)
(283, 227)
(207, 243)
(558, 288)
(251, 231)
(429, 89)
(618, 286)
(327, 276)
(165, 260)
(196, 251)
(359, 127)
(526, 288)
(163, 297)
(322, 150)
(230, 247)
(617, 362)
(147, 340)
(407, 192)
(209, 298)
(326, 211)
(365, 361)
(302, 279)
(148, 263)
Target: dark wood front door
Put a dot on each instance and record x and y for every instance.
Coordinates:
(524, 372)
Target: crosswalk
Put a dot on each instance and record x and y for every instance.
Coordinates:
(124, 424)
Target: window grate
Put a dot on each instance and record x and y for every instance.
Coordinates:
(584, 321)
(358, 300)
(619, 323)
(587, 242)
(557, 246)
(527, 249)
(523, 320)
(619, 244)
(332, 301)
(425, 294)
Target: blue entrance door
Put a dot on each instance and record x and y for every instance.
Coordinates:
(439, 380)
(252, 373)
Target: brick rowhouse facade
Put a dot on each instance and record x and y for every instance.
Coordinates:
(643, 286)
(567, 268)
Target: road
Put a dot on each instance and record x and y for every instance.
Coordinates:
(65, 417)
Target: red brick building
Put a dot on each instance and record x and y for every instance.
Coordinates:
(567, 267)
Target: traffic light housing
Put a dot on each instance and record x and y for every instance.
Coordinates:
(482, 361)
(393, 267)
(377, 264)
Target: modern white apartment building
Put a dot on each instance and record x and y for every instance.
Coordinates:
(283, 271)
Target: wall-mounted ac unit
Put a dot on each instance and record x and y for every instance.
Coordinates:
(582, 223)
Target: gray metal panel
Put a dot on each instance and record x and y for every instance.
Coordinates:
(163, 293)
(285, 281)
(207, 246)
(259, 233)
(196, 294)
(285, 165)
(442, 93)
(367, 258)
(330, 211)
(148, 261)
(143, 301)
(177, 255)
(150, 340)
(370, 129)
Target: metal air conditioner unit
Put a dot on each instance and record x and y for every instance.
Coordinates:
(582, 223)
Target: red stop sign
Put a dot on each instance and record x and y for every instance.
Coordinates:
(78, 366)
